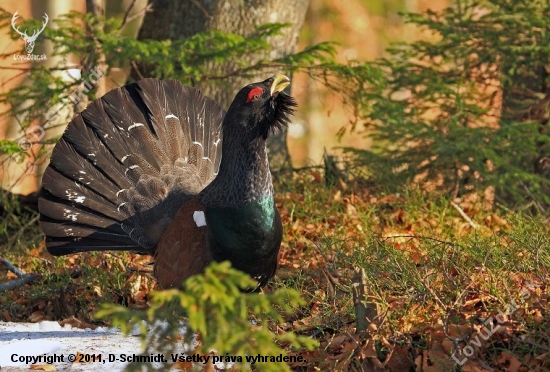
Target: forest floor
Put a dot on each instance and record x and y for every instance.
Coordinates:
(450, 284)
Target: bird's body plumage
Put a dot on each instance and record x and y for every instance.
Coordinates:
(141, 168)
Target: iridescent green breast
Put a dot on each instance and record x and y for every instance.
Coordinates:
(249, 236)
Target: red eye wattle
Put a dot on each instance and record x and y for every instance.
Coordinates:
(254, 94)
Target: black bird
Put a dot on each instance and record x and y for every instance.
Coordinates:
(141, 169)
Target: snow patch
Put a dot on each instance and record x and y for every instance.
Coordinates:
(48, 338)
(26, 348)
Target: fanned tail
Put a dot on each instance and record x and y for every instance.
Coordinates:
(126, 164)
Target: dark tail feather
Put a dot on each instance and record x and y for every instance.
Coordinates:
(74, 193)
(62, 246)
(78, 169)
(85, 142)
(61, 211)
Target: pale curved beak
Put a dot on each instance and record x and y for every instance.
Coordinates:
(280, 82)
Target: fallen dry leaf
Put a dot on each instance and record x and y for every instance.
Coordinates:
(538, 317)
(399, 360)
(473, 366)
(11, 276)
(337, 342)
(80, 359)
(368, 350)
(97, 291)
(72, 321)
(6, 315)
(43, 367)
(317, 176)
(37, 316)
(511, 362)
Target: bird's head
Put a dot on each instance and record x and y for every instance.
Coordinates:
(261, 108)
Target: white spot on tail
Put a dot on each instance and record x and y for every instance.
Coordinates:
(171, 116)
(118, 208)
(135, 125)
(119, 191)
(124, 158)
(197, 143)
(71, 195)
(68, 214)
(198, 217)
(131, 167)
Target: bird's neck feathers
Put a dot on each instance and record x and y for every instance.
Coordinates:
(244, 174)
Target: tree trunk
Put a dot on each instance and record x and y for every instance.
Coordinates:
(181, 19)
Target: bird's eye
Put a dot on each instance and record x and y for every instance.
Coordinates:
(254, 95)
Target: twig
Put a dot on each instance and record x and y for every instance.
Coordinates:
(435, 296)
(23, 72)
(23, 174)
(464, 215)
(456, 188)
(127, 19)
(335, 283)
(11, 268)
(31, 222)
(198, 5)
(456, 341)
(388, 356)
(141, 270)
(22, 278)
(421, 237)
(527, 342)
(134, 65)
(24, 69)
(535, 201)
(25, 279)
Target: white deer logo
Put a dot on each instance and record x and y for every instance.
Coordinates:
(29, 40)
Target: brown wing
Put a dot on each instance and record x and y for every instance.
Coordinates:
(182, 249)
